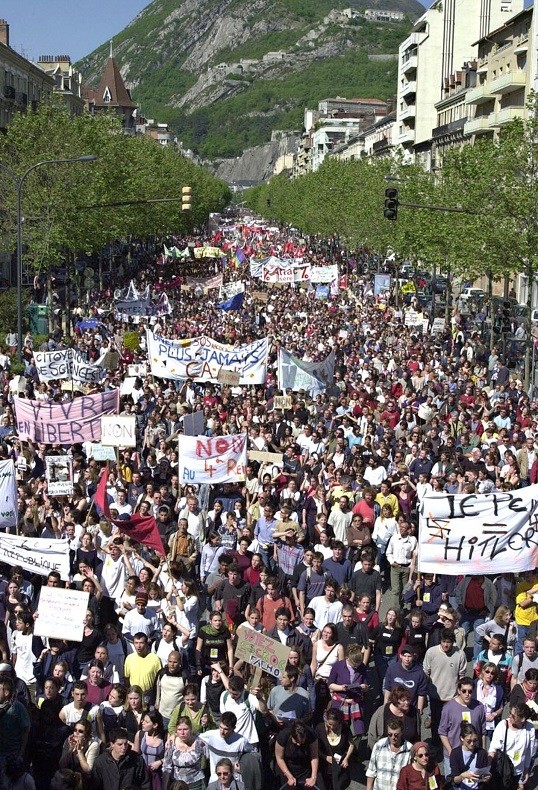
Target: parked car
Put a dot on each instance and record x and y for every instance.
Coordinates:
(476, 294)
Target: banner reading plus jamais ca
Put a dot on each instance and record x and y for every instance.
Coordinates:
(479, 533)
(202, 357)
(69, 422)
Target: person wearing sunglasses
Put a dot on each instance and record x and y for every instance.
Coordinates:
(226, 779)
(468, 761)
(421, 771)
(462, 708)
(80, 750)
(488, 691)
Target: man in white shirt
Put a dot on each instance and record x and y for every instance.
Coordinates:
(400, 552)
(141, 619)
(326, 607)
(244, 706)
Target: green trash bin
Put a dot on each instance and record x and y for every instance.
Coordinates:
(38, 318)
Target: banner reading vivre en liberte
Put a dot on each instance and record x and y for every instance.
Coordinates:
(68, 422)
(201, 358)
(479, 533)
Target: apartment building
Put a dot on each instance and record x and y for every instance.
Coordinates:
(505, 77)
(67, 80)
(22, 84)
(442, 40)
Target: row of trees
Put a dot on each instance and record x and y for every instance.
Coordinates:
(493, 181)
(59, 200)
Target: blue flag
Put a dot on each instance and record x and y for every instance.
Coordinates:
(233, 303)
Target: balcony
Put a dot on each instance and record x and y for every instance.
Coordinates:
(408, 89)
(451, 128)
(407, 137)
(410, 64)
(479, 95)
(414, 40)
(511, 81)
(379, 145)
(509, 114)
(9, 92)
(479, 125)
(408, 112)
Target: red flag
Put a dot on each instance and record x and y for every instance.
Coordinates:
(143, 529)
(100, 497)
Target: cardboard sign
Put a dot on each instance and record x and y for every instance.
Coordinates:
(118, 431)
(262, 652)
(230, 377)
(265, 458)
(61, 613)
(282, 401)
(260, 296)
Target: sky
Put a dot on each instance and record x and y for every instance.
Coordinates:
(65, 27)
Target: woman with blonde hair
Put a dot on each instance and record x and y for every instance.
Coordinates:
(502, 624)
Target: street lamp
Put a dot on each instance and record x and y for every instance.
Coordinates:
(19, 183)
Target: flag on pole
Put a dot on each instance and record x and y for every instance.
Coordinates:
(100, 498)
(142, 529)
(233, 303)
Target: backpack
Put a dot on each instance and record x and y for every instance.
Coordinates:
(259, 719)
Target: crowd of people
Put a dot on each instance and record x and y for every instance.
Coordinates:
(429, 680)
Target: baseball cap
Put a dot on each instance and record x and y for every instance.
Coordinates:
(408, 649)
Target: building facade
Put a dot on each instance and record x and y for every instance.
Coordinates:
(67, 80)
(22, 84)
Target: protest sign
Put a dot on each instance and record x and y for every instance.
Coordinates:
(118, 431)
(412, 318)
(262, 652)
(207, 252)
(61, 613)
(282, 401)
(230, 377)
(203, 357)
(265, 458)
(37, 555)
(322, 291)
(259, 296)
(8, 494)
(438, 325)
(194, 424)
(212, 459)
(100, 453)
(295, 374)
(493, 533)
(381, 284)
(139, 369)
(59, 475)
(324, 274)
(69, 422)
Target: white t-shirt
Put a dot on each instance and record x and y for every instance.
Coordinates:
(21, 646)
(114, 576)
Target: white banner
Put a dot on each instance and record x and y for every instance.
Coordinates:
(59, 475)
(314, 377)
(479, 533)
(203, 357)
(231, 289)
(324, 274)
(61, 613)
(68, 363)
(8, 494)
(286, 273)
(37, 555)
(212, 459)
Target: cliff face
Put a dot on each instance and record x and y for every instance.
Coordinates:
(196, 63)
(255, 164)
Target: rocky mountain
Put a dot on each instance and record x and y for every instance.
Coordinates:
(225, 73)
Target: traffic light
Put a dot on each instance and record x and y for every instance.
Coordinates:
(391, 203)
(186, 198)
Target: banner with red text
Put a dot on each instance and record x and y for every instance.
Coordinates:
(461, 534)
(66, 423)
(212, 459)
